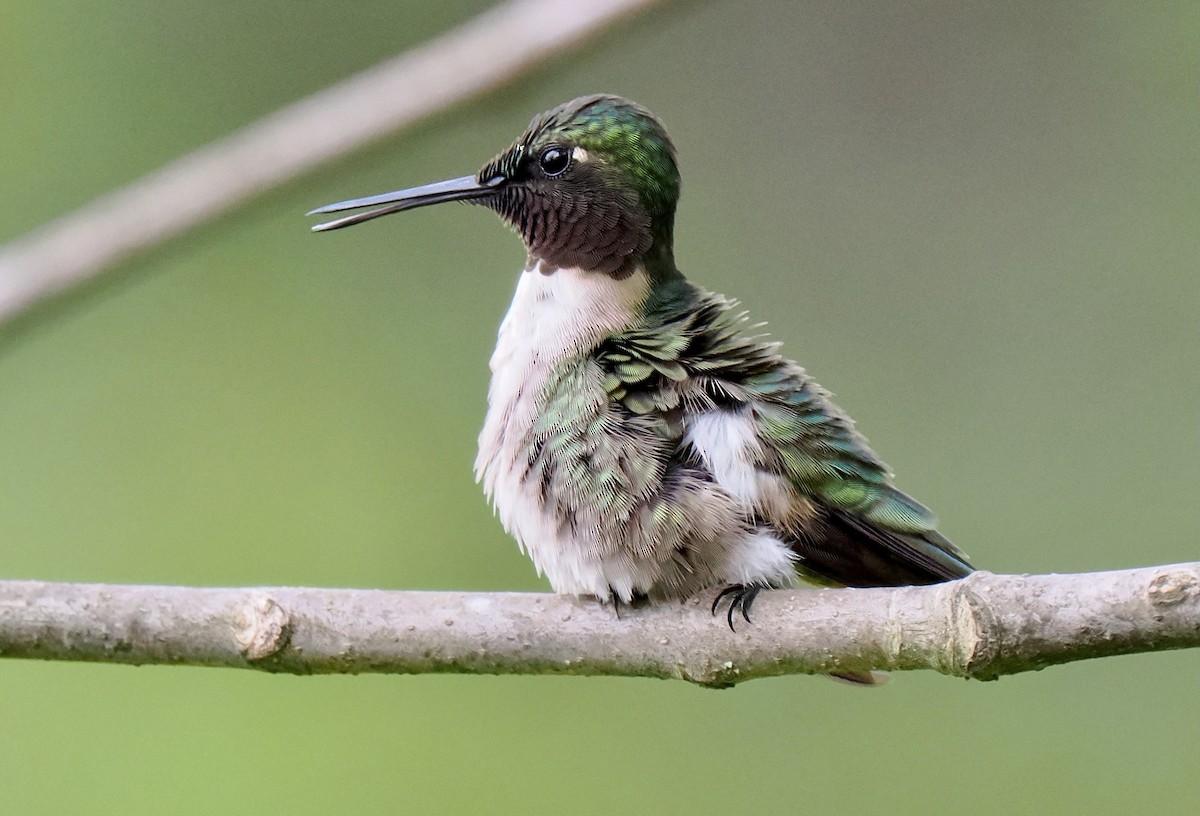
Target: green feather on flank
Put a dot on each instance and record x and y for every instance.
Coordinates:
(634, 371)
(596, 465)
(694, 342)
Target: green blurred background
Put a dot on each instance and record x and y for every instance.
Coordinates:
(978, 225)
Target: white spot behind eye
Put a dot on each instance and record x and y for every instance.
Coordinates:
(579, 154)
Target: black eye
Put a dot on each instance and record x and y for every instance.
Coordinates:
(554, 161)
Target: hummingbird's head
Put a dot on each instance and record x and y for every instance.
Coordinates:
(590, 184)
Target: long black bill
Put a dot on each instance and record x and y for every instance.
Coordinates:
(459, 189)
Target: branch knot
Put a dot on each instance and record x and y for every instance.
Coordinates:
(1173, 586)
(971, 628)
(264, 628)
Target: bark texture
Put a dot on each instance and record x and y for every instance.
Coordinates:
(982, 627)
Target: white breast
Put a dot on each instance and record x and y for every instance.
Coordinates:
(553, 317)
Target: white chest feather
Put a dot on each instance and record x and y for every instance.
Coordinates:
(553, 317)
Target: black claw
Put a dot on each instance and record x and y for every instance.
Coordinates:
(729, 590)
(748, 600)
(741, 598)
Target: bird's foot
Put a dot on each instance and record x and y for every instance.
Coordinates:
(741, 598)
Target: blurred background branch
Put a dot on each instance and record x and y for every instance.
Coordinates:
(491, 50)
(982, 627)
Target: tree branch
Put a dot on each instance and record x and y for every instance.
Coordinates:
(487, 52)
(982, 627)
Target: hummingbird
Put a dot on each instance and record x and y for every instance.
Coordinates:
(643, 440)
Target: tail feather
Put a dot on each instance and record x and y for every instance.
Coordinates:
(851, 551)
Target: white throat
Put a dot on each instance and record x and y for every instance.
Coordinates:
(562, 313)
